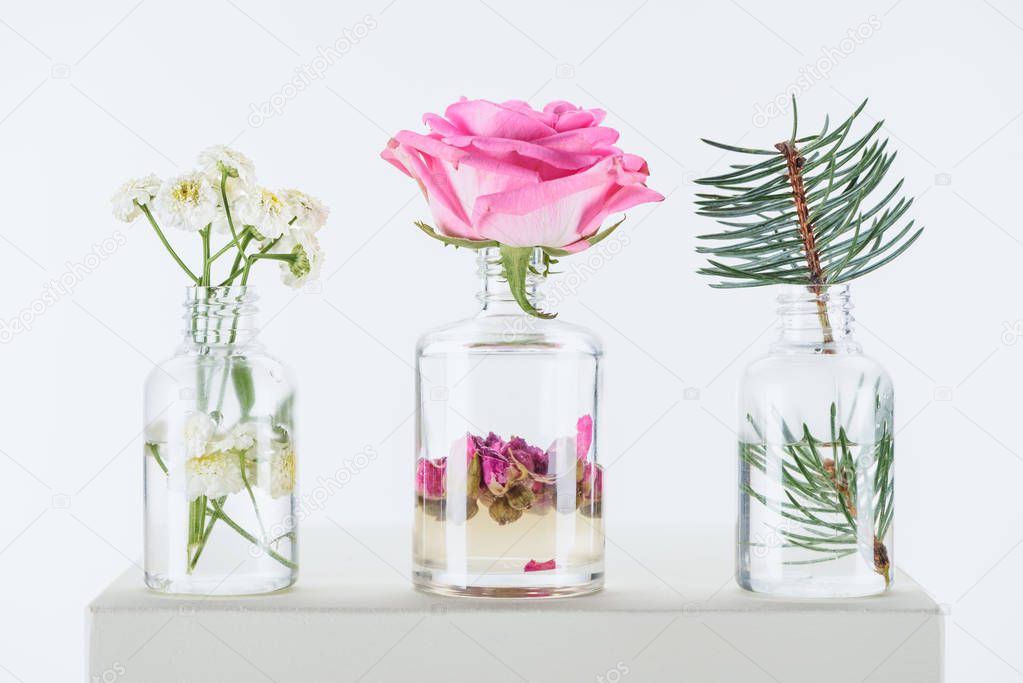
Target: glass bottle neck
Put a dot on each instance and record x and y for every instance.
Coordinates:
(219, 317)
(495, 296)
(815, 319)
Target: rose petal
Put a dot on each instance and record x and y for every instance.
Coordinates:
(430, 477)
(480, 117)
(583, 436)
(534, 566)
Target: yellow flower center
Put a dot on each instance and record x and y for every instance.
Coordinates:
(272, 202)
(187, 191)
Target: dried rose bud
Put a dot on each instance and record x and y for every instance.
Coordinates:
(591, 508)
(532, 459)
(471, 508)
(503, 513)
(520, 496)
(472, 483)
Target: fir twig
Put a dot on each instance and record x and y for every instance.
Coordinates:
(804, 215)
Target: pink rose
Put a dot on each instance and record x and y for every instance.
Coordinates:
(510, 176)
(521, 177)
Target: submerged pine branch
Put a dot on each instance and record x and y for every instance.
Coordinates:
(820, 481)
(807, 214)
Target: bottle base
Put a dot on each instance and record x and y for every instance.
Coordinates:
(816, 587)
(562, 584)
(221, 586)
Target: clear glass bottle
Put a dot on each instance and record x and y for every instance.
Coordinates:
(219, 457)
(816, 484)
(509, 495)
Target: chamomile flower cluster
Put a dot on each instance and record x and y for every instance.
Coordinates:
(222, 197)
(223, 462)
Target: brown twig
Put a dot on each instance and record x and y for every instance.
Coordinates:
(794, 162)
(881, 562)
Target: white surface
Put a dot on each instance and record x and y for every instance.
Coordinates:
(353, 616)
(93, 92)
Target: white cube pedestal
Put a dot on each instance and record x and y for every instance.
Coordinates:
(670, 612)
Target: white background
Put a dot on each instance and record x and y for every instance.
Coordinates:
(95, 92)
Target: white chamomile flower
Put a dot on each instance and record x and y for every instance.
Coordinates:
(309, 212)
(308, 258)
(240, 438)
(282, 472)
(218, 158)
(137, 191)
(265, 211)
(196, 434)
(187, 202)
(213, 475)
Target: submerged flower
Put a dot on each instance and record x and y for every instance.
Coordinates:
(187, 202)
(430, 477)
(241, 438)
(498, 472)
(502, 512)
(134, 193)
(214, 475)
(309, 212)
(532, 458)
(282, 472)
(591, 486)
(196, 434)
(217, 159)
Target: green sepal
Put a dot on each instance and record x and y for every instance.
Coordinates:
(455, 241)
(593, 240)
(515, 265)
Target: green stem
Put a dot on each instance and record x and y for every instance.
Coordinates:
(166, 244)
(154, 450)
(241, 250)
(236, 271)
(238, 241)
(196, 523)
(218, 510)
(252, 496)
(262, 256)
(205, 234)
(227, 206)
(205, 538)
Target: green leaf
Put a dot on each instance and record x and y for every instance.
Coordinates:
(244, 387)
(515, 263)
(455, 241)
